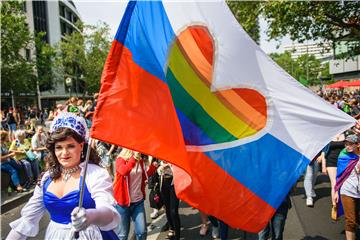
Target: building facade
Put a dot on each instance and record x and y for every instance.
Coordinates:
(322, 52)
(344, 69)
(56, 18)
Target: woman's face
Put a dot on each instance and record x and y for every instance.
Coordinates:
(68, 152)
(351, 147)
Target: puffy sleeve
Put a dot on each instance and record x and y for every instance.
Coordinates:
(32, 212)
(99, 184)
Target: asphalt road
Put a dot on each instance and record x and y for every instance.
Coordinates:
(303, 223)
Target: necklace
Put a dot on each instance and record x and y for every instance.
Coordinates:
(68, 171)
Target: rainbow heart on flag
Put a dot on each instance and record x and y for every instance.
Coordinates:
(206, 116)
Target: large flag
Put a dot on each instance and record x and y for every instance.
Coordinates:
(185, 83)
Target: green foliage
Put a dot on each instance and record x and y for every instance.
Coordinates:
(329, 21)
(305, 68)
(98, 43)
(17, 73)
(83, 54)
(45, 58)
(72, 53)
(315, 20)
(247, 14)
(284, 60)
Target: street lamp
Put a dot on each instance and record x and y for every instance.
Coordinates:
(68, 83)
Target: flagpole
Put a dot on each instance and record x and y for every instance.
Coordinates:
(75, 234)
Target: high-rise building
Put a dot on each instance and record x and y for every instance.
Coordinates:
(322, 52)
(56, 18)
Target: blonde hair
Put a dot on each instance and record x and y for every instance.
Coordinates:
(126, 153)
(19, 133)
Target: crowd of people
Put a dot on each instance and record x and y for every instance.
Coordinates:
(24, 136)
(114, 192)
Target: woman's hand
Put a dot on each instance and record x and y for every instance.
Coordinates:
(357, 127)
(162, 168)
(79, 219)
(335, 199)
(137, 156)
(323, 170)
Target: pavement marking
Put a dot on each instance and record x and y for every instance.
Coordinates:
(154, 229)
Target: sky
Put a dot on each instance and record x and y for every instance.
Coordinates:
(111, 12)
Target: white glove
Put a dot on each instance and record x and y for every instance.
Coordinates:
(82, 218)
(79, 219)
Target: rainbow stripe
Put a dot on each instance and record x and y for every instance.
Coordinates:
(223, 116)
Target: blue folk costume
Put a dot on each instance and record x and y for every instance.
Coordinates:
(98, 194)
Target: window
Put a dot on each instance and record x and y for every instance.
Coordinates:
(28, 54)
(62, 10)
(40, 17)
(63, 28)
(24, 7)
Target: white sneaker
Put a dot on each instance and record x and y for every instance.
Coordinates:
(309, 202)
(215, 232)
(154, 214)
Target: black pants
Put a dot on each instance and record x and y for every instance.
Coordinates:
(171, 203)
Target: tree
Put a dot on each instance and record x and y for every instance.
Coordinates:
(247, 14)
(17, 72)
(83, 54)
(71, 57)
(305, 68)
(45, 62)
(330, 21)
(285, 61)
(98, 43)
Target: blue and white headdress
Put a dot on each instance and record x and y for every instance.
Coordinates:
(72, 121)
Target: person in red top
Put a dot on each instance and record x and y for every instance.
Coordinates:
(129, 192)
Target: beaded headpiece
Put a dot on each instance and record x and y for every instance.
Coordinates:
(72, 121)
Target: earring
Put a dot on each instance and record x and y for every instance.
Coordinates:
(82, 154)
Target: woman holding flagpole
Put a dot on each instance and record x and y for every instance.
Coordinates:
(58, 192)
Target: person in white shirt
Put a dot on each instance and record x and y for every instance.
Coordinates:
(38, 143)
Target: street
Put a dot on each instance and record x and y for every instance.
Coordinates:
(302, 222)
